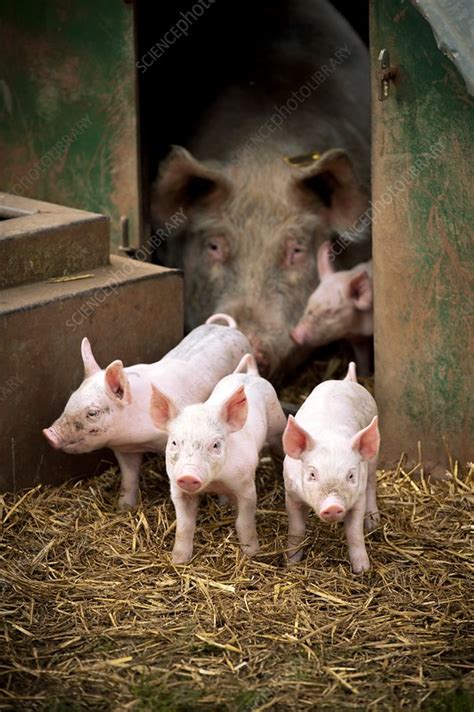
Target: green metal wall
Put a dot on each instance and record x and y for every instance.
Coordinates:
(67, 105)
(423, 241)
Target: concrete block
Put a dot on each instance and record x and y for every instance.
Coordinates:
(128, 309)
(42, 240)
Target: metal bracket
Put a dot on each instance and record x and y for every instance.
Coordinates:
(385, 73)
(125, 238)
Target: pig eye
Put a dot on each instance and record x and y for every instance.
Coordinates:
(217, 249)
(216, 447)
(312, 475)
(295, 253)
(174, 443)
(93, 413)
(351, 476)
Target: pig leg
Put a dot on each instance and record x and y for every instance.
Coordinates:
(297, 517)
(245, 522)
(354, 526)
(130, 469)
(275, 431)
(186, 508)
(362, 356)
(372, 516)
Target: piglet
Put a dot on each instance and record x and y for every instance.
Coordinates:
(341, 307)
(214, 447)
(331, 451)
(111, 407)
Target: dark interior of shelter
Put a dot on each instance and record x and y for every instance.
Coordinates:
(223, 47)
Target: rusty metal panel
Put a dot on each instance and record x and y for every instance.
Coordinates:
(67, 106)
(423, 242)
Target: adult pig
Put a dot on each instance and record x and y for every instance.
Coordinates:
(331, 449)
(278, 164)
(111, 408)
(214, 447)
(341, 307)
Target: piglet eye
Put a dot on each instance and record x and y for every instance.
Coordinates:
(313, 475)
(174, 443)
(92, 413)
(216, 446)
(351, 476)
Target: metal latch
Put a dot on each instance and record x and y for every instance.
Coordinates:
(385, 73)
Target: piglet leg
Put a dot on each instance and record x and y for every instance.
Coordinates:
(354, 526)
(129, 463)
(186, 507)
(297, 517)
(372, 516)
(245, 522)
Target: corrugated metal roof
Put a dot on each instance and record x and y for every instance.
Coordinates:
(452, 22)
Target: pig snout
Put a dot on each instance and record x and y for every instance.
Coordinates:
(298, 334)
(332, 510)
(189, 482)
(52, 437)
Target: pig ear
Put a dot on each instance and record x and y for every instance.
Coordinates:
(296, 440)
(360, 290)
(333, 181)
(117, 383)
(90, 364)
(185, 183)
(325, 263)
(367, 440)
(235, 409)
(162, 409)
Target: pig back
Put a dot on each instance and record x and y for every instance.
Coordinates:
(211, 351)
(336, 113)
(337, 406)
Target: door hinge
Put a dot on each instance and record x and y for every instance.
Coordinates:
(385, 73)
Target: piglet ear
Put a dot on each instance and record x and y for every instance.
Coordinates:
(162, 409)
(325, 263)
(90, 364)
(360, 290)
(296, 440)
(235, 409)
(367, 440)
(117, 383)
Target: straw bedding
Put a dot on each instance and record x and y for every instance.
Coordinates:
(95, 615)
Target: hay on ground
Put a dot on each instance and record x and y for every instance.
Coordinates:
(95, 615)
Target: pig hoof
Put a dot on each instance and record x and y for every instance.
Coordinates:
(295, 558)
(250, 549)
(371, 521)
(360, 564)
(181, 557)
(126, 506)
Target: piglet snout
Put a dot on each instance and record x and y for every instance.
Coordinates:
(332, 510)
(52, 437)
(298, 334)
(189, 483)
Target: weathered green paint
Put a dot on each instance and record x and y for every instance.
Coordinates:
(68, 69)
(423, 242)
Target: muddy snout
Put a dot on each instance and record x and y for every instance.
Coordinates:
(332, 509)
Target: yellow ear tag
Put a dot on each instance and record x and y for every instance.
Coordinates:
(302, 161)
